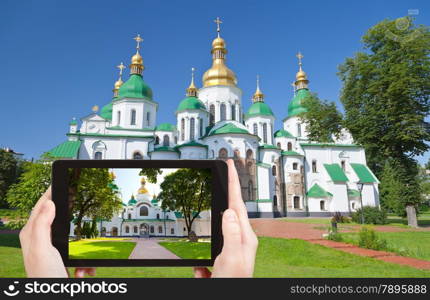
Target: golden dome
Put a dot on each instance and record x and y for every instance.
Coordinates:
(142, 180)
(137, 59)
(118, 84)
(301, 75)
(218, 43)
(142, 190)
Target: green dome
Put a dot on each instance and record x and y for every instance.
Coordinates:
(295, 107)
(135, 87)
(190, 103)
(132, 201)
(165, 127)
(106, 111)
(259, 108)
(283, 133)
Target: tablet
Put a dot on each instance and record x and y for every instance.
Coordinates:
(138, 212)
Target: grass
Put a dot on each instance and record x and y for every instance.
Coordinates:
(408, 243)
(275, 258)
(91, 249)
(189, 250)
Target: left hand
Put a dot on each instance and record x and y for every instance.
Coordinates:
(41, 259)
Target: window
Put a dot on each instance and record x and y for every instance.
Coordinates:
(135, 229)
(118, 114)
(278, 145)
(275, 200)
(322, 205)
(98, 155)
(236, 153)
(137, 155)
(255, 129)
(295, 165)
(158, 216)
(299, 130)
(314, 166)
(200, 127)
(166, 140)
(182, 129)
(223, 153)
(274, 171)
(157, 140)
(143, 211)
(233, 111)
(353, 205)
(289, 146)
(250, 191)
(160, 229)
(127, 229)
(265, 133)
(176, 139)
(172, 231)
(222, 112)
(211, 114)
(129, 216)
(342, 163)
(148, 118)
(151, 229)
(192, 128)
(133, 117)
(296, 201)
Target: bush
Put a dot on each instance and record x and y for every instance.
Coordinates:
(16, 224)
(367, 238)
(372, 215)
(339, 218)
(335, 236)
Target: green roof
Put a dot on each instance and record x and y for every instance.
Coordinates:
(295, 107)
(318, 192)
(259, 109)
(165, 127)
(364, 174)
(73, 122)
(191, 144)
(135, 87)
(353, 193)
(336, 173)
(283, 133)
(267, 146)
(68, 149)
(291, 153)
(229, 128)
(179, 215)
(106, 111)
(190, 103)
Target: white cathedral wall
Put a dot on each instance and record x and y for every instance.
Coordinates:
(269, 156)
(288, 162)
(291, 125)
(284, 144)
(240, 142)
(170, 134)
(260, 120)
(113, 148)
(164, 155)
(126, 105)
(193, 152)
(199, 116)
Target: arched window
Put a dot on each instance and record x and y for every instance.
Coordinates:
(278, 145)
(236, 153)
(211, 114)
(250, 191)
(176, 140)
(353, 205)
(129, 216)
(222, 112)
(255, 129)
(274, 171)
(160, 229)
(200, 127)
(192, 128)
(265, 133)
(322, 205)
(151, 229)
(127, 229)
(118, 114)
(148, 118)
(172, 231)
(296, 202)
(342, 163)
(295, 166)
(135, 229)
(249, 154)
(157, 140)
(98, 155)
(233, 111)
(143, 211)
(314, 166)
(166, 140)
(158, 216)
(137, 155)
(299, 130)
(275, 200)
(213, 153)
(182, 129)
(133, 117)
(222, 153)
(289, 146)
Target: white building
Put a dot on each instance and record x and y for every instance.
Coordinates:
(282, 173)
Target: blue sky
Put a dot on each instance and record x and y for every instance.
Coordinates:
(58, 58)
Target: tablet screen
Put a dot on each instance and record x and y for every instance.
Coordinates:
(139, 213)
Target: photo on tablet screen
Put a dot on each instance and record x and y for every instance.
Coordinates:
(140, 213)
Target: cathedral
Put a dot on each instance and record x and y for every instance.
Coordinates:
(282, 172)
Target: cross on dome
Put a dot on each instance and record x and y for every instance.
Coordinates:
(138, 40)
(300, 56)
(218, 22)
(121, 67)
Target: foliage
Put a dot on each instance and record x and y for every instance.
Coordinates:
(33, 182)
(187, 191)
(150, 174)
(367, 238)
(339, 218)
(334, 236)
(16, 224)
(371, 214)
(322, 119)
(10, 169)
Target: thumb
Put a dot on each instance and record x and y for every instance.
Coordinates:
(231, 232)
(42, 223)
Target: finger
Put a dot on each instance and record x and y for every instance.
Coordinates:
(46, 196)
(200, 272)
(81, 272)
(42, 223)
(231, 232)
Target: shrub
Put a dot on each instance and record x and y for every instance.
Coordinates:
(16, 224)
(371, 214)
(339, 218)
(367, 238)
(335, 236)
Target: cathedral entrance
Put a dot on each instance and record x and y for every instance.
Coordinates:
(144, 230)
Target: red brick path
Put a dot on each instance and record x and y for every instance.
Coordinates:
(282, 229)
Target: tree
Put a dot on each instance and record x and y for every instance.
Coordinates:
(187, 191)
(385, 94)
(95, 196)
(9, 174)
(150, 174)
(322, 119)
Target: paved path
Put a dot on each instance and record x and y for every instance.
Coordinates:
(282, 229)
(150, 249)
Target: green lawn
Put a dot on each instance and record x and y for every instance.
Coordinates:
(407, 243)
(91, 249)
(275, 258)
(189, 250)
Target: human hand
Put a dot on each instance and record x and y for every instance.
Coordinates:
(237, 257)
(41, 259)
